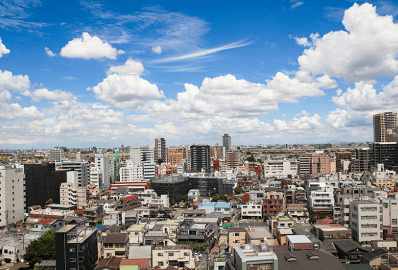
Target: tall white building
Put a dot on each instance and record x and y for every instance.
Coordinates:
(144, 156)
(96, 177)
(81, 167)
(102, 163)
(366, 221)
(71, 193)
(56, 154)
(12, 196)
(280, 168)
(131, 173)
(322, 196)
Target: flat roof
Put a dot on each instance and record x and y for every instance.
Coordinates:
(298, 239)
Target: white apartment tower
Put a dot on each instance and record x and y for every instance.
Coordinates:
(71, 193)
(12, 196)
(81, 167)
(131, 173)
(102, 163)
(144, 156)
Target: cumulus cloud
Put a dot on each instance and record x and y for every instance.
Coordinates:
(49, 52)
(89, 47)
(157, 50)
(366, 49)
(303, 123)
(3, 49)
(124, 88)
(13, 82)
(14, 111)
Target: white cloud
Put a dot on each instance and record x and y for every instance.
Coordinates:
(296, 3)
(88, 47)
(3, 49)
(123, 88)
(45, 94)
(49, 52)
(14, 111)
(303, 123)
(304, 113)
(157, 50)
(367, 49)
(13, 82)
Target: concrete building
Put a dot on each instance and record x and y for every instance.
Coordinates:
(281, 168)
(113, 168)
(252, 210)
(200, 158)
(383, 122)
(226, 142)
(236, 237)
(102, 163)
(76, 248)
(314, 163)
(96, 177)
(82, 167)
(273, 203)
(56, 154)
(12, 196)
(366, 221)
(160, 151)
(233, 159)
(131, 173)
(217, 152)
(179, 256)
(252, 256)
(390, 215)
(72, 193)
(175, 155)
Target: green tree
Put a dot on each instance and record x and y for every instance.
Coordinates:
(99, 221)
(238, 190)
(172, 202)
(224, 197)
(215, 198)
(122, 228)
(41, 249)
(251, 158)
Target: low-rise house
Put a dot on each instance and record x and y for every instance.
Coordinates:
(374, 258)
(259, 235)
(129, 218)
(252, 256)
(111, 263)
(297, 212)
(160, 212)
(281, 234)
(328, 233)
(390, 245)
(298, 242)
(350, 250)
(116, 244)
(112, 218)
(180, 256)
(251, 210)
(93, 214)
(128, 203)
(203, 233)
(136, 233)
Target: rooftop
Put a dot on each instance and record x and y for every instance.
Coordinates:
(298, 239)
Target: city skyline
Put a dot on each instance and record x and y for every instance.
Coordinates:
(84, 73)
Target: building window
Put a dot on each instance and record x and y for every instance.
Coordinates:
(160, 263)
(237, 234)
(186, 254)
(171, 254)
(72, 259)
(160, 254)
(72, 250)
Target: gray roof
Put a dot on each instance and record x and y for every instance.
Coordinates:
(326, 261)
(140, 252)
(374, 254)
(349, 245)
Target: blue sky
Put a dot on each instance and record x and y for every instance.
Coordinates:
(85, 73)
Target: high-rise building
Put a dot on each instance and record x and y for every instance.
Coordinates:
(384, 153)
(144, 156)
(312, 163)
(340, 156)
(42, 183)
(102, 163)
(12, 199)
(233, 159)
(217, 152)
(56, 154)
(82, 167)
(71, 192)
(200, 158)
(383, 122)
(226, 142)
(131, 173)
(176, 154)
(160, 150)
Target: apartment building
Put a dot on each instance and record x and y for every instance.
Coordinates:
(313, 163)
(116, 244)
(131, 173)
(102, 163)
(12, 196)
(236, 237)
(76, 247)
(252, 256)
(72, 193)
(281, 168)
(179, 256)
(160, 155)
(175, 155)
(56, 154)
(251, 210)
(383, 122)
(366, 221)
(390, 214)
(81, 167)
(273, 203)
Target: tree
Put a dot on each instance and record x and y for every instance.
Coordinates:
(251, 158)
(122, 228)
(172, 202)
(99, 221)
(215, 198)
(238, 190)
(224, 197)
(41, 249)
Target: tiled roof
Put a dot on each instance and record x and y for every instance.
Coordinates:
(46, 221)
(129, 197)
(79, 211)
(109, 263)
(143, 263)
(116, 238)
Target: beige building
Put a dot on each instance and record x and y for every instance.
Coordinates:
(177, 256)
(136, 233)
(366, 221)
(236, 237)
(382, 123)
(116, 244)
(71, 193)
(12, 196)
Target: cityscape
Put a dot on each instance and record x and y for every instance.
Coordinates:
(179, 135)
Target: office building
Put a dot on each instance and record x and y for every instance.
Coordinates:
(12, 196)
(226, 142)
(233, 159)
(131, 173)
(384, 153)
(81, 167)
(340, 156)
(76, 247)
(102, 163)
(56, 154)
(382, 123)
(217, 152)
(160, 151)
(175, 155)
(281, 168)
(42, 184)
(200, 158)
(313, 163)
